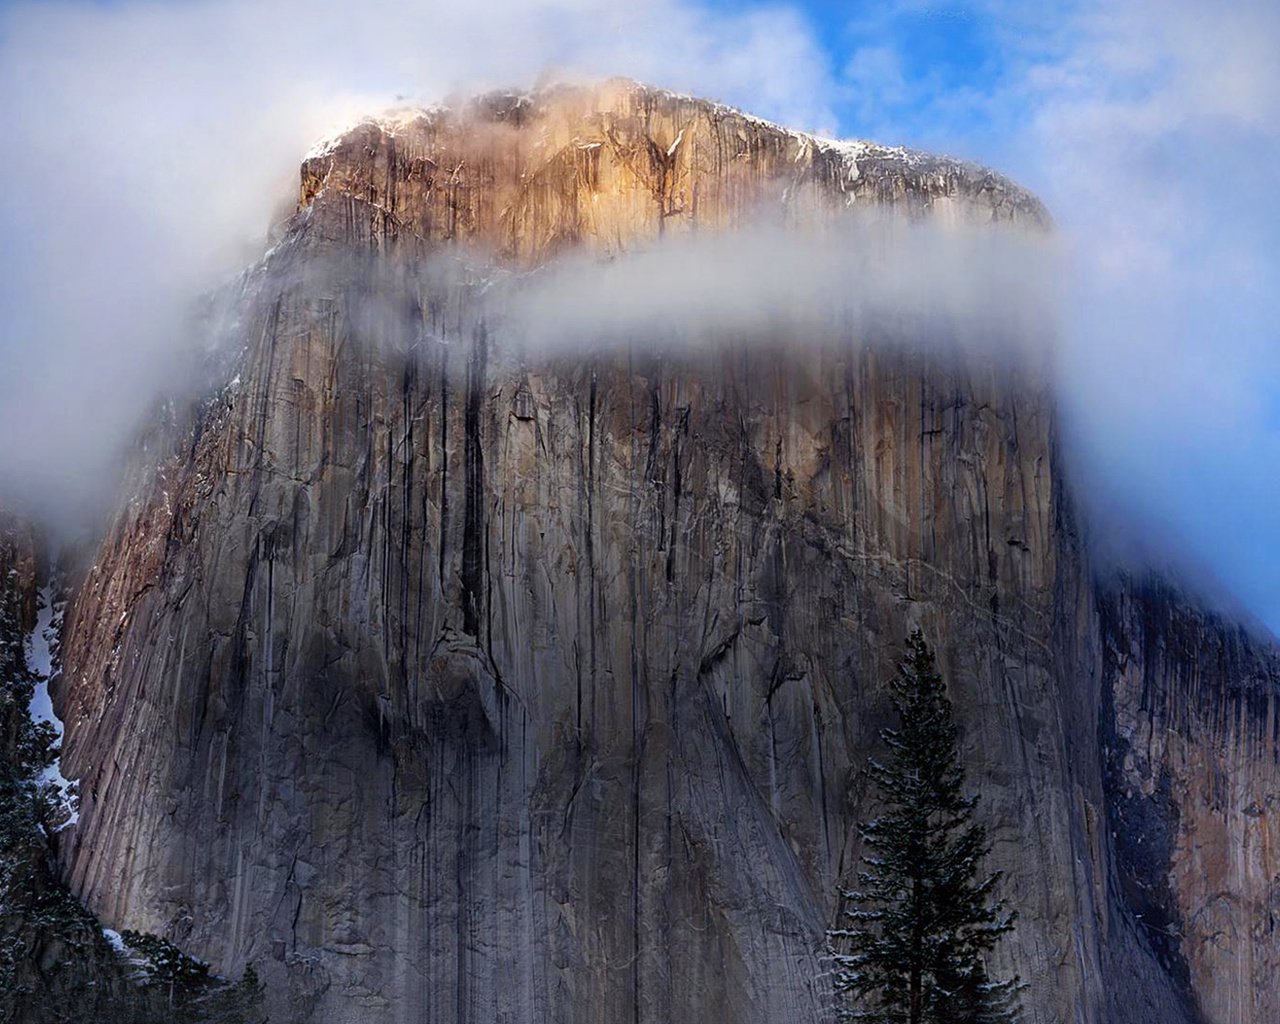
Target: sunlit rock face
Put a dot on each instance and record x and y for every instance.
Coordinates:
(447, 681)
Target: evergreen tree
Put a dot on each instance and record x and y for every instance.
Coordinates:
(922, 920)
(193, 994)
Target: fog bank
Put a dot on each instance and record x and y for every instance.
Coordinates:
(864, 277)
(149, 147)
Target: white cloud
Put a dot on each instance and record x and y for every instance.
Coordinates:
(966, 288)
(149, 145)
(1153, 130)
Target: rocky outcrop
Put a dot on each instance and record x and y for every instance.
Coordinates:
(1189, 742)
(19, 569)
(444, 681)
(55, 964)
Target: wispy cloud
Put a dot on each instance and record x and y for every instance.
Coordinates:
(1154, 127)
(149, 145)
(1150, 127)
(861, 276)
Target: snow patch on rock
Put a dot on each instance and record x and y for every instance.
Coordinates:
(41, 654)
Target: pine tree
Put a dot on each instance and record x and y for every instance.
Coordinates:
(921, 921)
(194, 995)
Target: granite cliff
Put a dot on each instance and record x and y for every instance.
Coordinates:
(443, 680)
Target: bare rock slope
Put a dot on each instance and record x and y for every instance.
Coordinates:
(445, 683)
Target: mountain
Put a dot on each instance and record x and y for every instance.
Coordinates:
(445, 679)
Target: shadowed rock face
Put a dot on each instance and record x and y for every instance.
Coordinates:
(444, 683)
(19, 566)
(1189, 741)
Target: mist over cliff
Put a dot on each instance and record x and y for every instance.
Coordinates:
(964, 287)
(498, 510)
(502, 628)
(153, 146)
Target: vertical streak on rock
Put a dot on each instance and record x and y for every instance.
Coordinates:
(653, 477)
(408, 396)
(388, 573)
(591, 543)
(638, 652)
(443, 542)
(681, 428)
(265, 399)
(473, 518)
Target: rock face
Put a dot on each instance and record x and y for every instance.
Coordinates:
(19, 567)
(1189, 742)
(55, 965)
(445, 683)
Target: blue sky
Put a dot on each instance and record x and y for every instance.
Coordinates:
(151, 141)
(913, 58)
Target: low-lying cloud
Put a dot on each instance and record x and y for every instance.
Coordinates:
(149, 146)
(1151, 129)
(869, 275)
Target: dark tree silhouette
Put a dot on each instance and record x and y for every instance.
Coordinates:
(918, 927)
